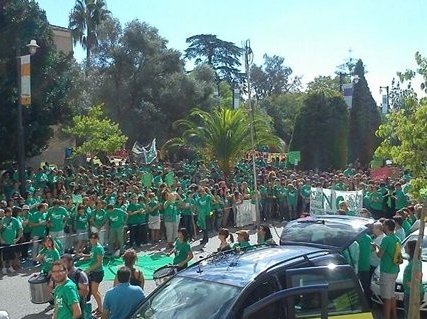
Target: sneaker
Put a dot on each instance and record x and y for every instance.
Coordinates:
(4, 271)
(11, 269)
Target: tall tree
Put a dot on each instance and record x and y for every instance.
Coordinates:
(324, 84)
(99, 135)
(273, 78)
(223, 56)
(51, 79)
(283, 109)
(365, 119)
(223, 135)
(320, 133)
(84, 21)
(144, 85)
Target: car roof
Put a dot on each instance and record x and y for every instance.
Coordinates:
(305, 230)
(238, 268)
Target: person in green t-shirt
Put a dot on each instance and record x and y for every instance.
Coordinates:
(81, 225)
(202, 205)
(182, 250)
(136, 217)
(47, 255)
(95, 270)
(388, 252)
(407, 275)
(66, 297)
(364, 263)
(152, 208)
(98, 221)
(37, 223)
(242, 240)
(117, 219)
(10, 233)
(170, 217)
(56, 218)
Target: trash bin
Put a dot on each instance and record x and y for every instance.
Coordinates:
(39, 288)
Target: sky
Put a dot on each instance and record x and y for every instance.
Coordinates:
(314, 36)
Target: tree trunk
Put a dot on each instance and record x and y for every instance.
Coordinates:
(414, 298)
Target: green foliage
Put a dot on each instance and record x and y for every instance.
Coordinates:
(143, 83)
(320, 133)
(365, 119)
(324, 84)
(273, 78)
(99, 135)
(223, 135)
(409, 75)
(404, 140)
(51, 79)
(85, 19)
(222, 56)
(283, 109)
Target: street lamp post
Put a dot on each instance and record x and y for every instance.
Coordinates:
(24, 98)
(248, 62)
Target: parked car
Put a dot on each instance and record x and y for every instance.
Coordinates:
(295, 281)
(375, 287)
(326, 231)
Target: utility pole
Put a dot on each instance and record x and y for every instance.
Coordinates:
(248, 62)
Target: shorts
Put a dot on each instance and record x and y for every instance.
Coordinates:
(8, 252)
(153, 222)
(387, 285)
(96, 276)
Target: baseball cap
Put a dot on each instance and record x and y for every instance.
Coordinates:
(25, 207)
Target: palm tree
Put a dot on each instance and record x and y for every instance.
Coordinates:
(223, 135)
(85, 19)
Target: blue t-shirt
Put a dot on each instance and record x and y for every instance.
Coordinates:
(122, 299)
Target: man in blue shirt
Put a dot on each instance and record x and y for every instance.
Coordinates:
(119, 301)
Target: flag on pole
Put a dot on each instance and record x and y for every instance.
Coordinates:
(150, 152)
(25, 80)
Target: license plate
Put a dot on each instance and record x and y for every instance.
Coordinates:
(399, 297)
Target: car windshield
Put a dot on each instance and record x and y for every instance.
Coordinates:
(327, 233)
(424, 247)
(188, 298)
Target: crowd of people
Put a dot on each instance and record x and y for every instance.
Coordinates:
(114, 207)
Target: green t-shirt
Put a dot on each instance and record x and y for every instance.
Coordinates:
(181, 251)
(49, 256)
(66, 295)
(151, 204)
(402, 199)
(376, 200)
(407, 276)
(185, 205)
(56, 217)
(117, 218)
(38, 217)
(10, 229)
(389, 246)
(95, 252)
(365, 249)
(138, 218)
(292, 197)
(82, 221)
(306, 191)
(99, 217)
(170, 212)
(243, 244)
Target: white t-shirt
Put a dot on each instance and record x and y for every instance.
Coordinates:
(375, 260)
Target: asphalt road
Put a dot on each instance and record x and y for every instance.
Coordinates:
(15, 291)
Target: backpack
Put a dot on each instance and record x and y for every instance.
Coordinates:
(397, 258)
(76, 281)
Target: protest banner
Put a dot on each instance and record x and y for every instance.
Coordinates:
(246, 213)
(325, 201)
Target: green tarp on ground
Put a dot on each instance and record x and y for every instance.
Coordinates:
(147, 263)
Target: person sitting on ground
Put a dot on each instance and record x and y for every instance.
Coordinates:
(223, 235)
(120, 300)
(242, 239)
(264, 236)
(182, 250)
(47, 255)
(137, 277)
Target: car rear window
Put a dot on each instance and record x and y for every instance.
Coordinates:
(327, 233)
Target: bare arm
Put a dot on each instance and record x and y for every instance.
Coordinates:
(77, 312)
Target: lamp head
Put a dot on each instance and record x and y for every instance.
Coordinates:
(33, 46)
(356, 79)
